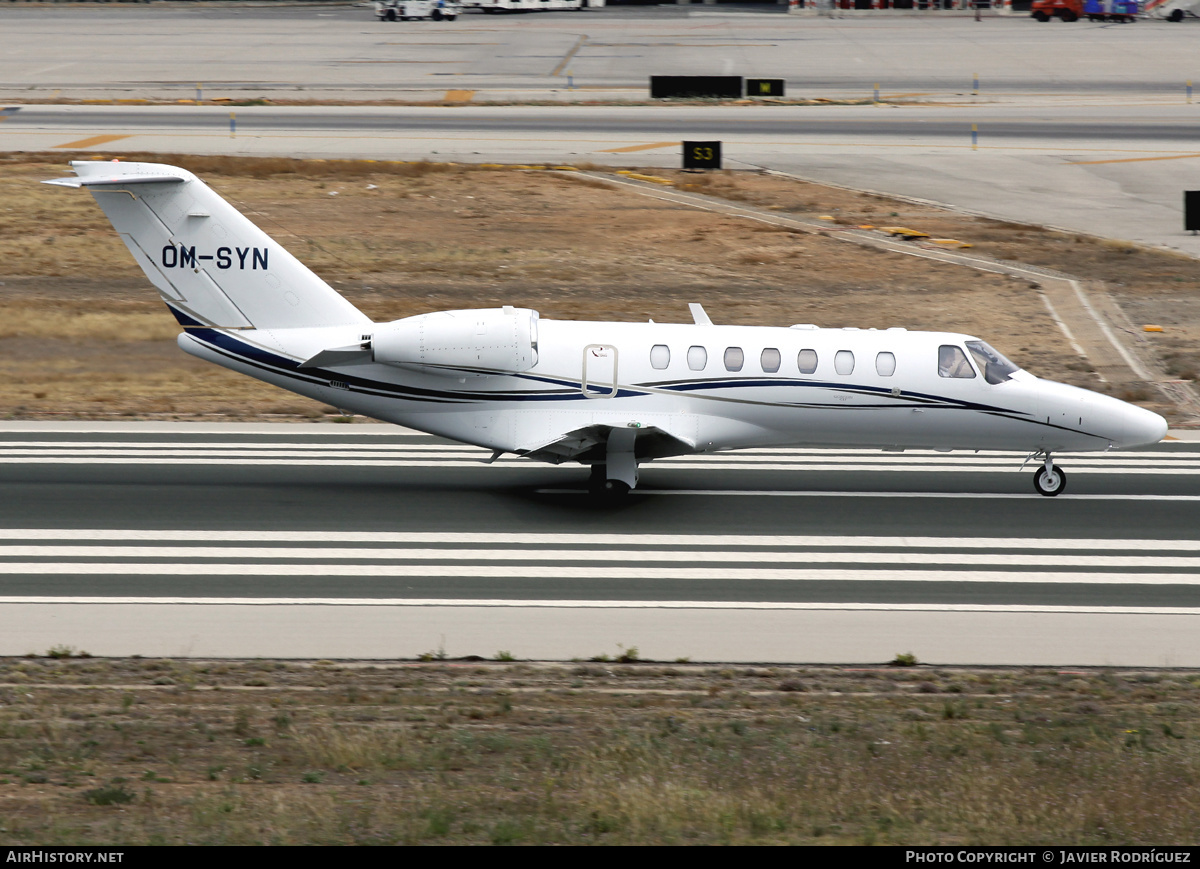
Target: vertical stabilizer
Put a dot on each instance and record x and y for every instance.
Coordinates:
(209, 262)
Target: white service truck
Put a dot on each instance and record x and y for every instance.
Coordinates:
(405, 10)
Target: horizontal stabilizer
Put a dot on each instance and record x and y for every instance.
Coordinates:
(115, 180)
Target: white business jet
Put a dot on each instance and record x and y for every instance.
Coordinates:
(608, 395)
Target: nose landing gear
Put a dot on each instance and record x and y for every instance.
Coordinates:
(1049, 480)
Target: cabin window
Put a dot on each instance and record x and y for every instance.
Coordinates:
(697, 358)
(885, 364)
(806, 361)
(843, 362)
(734, 358)
(770, 360)
(952, 362)
(660, 356)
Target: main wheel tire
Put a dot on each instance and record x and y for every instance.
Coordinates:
(1176, 15)
(1050, 483)
(596, 479)
(615, 489)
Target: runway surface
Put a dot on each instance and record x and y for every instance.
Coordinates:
(345, 53)
(370, 541)
(366, 541)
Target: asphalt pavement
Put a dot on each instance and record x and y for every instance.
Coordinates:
(162, 531)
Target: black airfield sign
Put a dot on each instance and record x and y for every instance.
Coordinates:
(701, 155)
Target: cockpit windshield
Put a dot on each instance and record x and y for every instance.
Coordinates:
(996, 369)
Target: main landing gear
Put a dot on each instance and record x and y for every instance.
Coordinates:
(1049, 480)
(618, 474)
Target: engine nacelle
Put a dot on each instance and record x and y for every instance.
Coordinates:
(480, 341)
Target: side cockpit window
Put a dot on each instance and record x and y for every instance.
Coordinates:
(952, 362)
(996, 369)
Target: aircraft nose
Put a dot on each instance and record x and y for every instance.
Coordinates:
(1142, 427)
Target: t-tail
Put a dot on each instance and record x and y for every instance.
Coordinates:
(212, 266)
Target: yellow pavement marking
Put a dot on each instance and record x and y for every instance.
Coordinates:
(1131, 160)
(89, 142)
(631, 148)
(903, 231)
(562, 64)
(459, 96)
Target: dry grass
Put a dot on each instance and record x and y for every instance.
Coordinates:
(264, 752)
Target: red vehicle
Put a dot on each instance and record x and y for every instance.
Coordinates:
(1095, 10)
(1067, 10)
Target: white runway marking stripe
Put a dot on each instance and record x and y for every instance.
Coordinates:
(602, 555)
(267, 449)
(608, 572)
(321, 447)
(602, 604)
(696, 542)
(343, 453)
(697, 464)
(963, 496)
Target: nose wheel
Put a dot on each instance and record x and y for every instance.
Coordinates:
(1049, 480)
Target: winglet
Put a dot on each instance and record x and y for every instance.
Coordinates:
(698, 315)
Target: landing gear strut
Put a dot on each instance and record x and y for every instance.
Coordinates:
(618, 474)
(1049, 480)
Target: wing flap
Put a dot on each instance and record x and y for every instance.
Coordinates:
(588, 444)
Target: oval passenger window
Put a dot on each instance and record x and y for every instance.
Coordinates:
(770, 360)
(806, 361)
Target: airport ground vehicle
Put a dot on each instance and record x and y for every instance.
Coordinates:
(493, 6)
(406, 10)
(1172, 10)
(1094, 10)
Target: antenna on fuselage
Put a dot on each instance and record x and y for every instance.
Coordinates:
(698, 316)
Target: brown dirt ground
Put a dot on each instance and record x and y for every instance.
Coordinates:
(83, 335)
